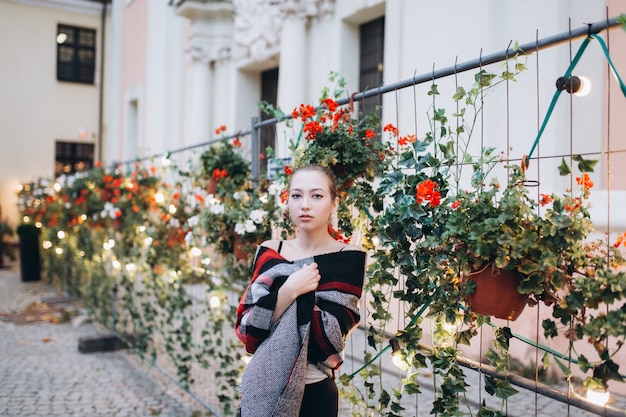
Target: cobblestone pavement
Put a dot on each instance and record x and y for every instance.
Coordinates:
(42, 373)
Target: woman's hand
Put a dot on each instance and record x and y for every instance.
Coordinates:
(303, 281)
(300, 282)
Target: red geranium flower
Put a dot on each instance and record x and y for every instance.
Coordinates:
(427, 191)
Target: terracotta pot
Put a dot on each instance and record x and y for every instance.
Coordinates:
(106, 195)
(238, 248)
(349, 183)
(496, 294)
(211, 186)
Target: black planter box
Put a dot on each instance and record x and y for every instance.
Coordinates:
(30, 259)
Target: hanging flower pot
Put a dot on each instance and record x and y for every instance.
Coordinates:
(496, 293)
(239, 247)
(211, 186)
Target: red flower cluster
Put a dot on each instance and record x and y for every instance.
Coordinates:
(586, 184)
(304, 112)
(405, 140)
(392, 129)
(545, 199)
(428, 191)
(585, 181)
(220, 129)
(621, 240)
(336, 234)
(312, 128)
(219, 173)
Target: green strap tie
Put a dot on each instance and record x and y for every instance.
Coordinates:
(567, 74)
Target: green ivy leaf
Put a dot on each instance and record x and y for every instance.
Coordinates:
(504, 389)
(564, 169)
(585, 165)
(460, 93)
(564, 368)
(621, 19)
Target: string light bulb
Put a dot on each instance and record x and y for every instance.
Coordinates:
(396, 355)
(165, 159)
(215, 302)
(598, 396)
(576, 84)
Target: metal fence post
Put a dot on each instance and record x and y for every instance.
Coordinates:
(256, 150)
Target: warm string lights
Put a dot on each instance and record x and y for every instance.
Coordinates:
(397, 355)
(576, 85)
(598, 396)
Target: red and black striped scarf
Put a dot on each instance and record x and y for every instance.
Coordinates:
(312, 330)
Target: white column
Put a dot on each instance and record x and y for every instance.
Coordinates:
(198, 109)
(292, 68)
(211, 37)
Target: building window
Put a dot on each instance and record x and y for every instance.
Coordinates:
(76, 54)
(372, 35)
(72, 157)
(269, 94)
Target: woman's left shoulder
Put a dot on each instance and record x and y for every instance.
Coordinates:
(351, 248)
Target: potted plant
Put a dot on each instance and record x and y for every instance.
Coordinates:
(440, 233)
(348, 143)
(225, 168)
(237, 222)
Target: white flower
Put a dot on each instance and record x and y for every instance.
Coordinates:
(108, 210)
(246, 227)
(174, 222)
(249, 226)
(240, 229)
(193, 221)
(275, 188)
(188, 238)
(257, 216)
(241, 195)
(217, 208)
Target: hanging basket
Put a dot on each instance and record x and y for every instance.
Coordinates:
(496, 293)
(211, 186)
(239, 248)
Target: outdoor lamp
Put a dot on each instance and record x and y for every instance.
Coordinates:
(396, 355)
(577, 85)
(598, 396)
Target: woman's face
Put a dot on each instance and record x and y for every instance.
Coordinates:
(310, 200)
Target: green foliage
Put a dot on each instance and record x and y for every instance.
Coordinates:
(435, 231)
(227, 167)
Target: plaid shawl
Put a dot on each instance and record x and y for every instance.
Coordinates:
(312, 330)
